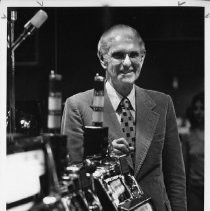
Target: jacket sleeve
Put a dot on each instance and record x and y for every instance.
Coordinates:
(173, 165)
(71, 125)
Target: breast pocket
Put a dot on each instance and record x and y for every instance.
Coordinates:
(159, 136)
(157, 144)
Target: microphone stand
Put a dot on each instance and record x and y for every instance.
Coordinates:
(12, 45)
(23, 36)
(11, 71)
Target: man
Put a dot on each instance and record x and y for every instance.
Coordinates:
(157, 159)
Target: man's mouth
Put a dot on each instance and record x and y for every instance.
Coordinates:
(127, 71)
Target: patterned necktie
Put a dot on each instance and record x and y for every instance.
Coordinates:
(127, 121)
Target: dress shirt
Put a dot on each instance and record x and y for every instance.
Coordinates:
(116, 98)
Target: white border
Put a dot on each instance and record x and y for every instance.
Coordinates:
(98, 3)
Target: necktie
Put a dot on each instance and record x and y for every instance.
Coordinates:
(127, 122)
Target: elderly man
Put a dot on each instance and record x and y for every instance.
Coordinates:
(152, 136)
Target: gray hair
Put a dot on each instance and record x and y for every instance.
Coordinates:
(108, 36)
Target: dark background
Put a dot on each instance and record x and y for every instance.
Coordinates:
(67, 43)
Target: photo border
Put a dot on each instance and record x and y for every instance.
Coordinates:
(4, 4)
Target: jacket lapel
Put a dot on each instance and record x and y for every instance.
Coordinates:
(110, 119)
(146, 121)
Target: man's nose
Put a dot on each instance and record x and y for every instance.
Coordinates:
(127, 60)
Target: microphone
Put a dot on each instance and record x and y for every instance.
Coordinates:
(32, 25)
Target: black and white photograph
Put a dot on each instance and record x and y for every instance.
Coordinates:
(104, 105)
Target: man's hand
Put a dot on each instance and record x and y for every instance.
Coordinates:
(120, 147)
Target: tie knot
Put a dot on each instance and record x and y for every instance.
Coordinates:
(125, 103)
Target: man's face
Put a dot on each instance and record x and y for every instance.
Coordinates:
(124, 61)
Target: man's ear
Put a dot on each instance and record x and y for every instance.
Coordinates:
(103, 61)
(142, 61)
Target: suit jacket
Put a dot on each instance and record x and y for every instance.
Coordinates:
(159, 167)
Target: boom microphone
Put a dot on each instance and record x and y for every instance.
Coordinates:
(32, 25)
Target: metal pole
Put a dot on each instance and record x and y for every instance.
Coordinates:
(11, 71)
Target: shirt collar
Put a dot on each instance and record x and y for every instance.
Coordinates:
(116, 98)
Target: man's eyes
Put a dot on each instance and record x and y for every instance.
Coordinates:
(122, 55)
(134, 54)
(118, 55)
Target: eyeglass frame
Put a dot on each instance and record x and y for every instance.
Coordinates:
(141, 55)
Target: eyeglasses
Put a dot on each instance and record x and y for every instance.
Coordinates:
(134, 56)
